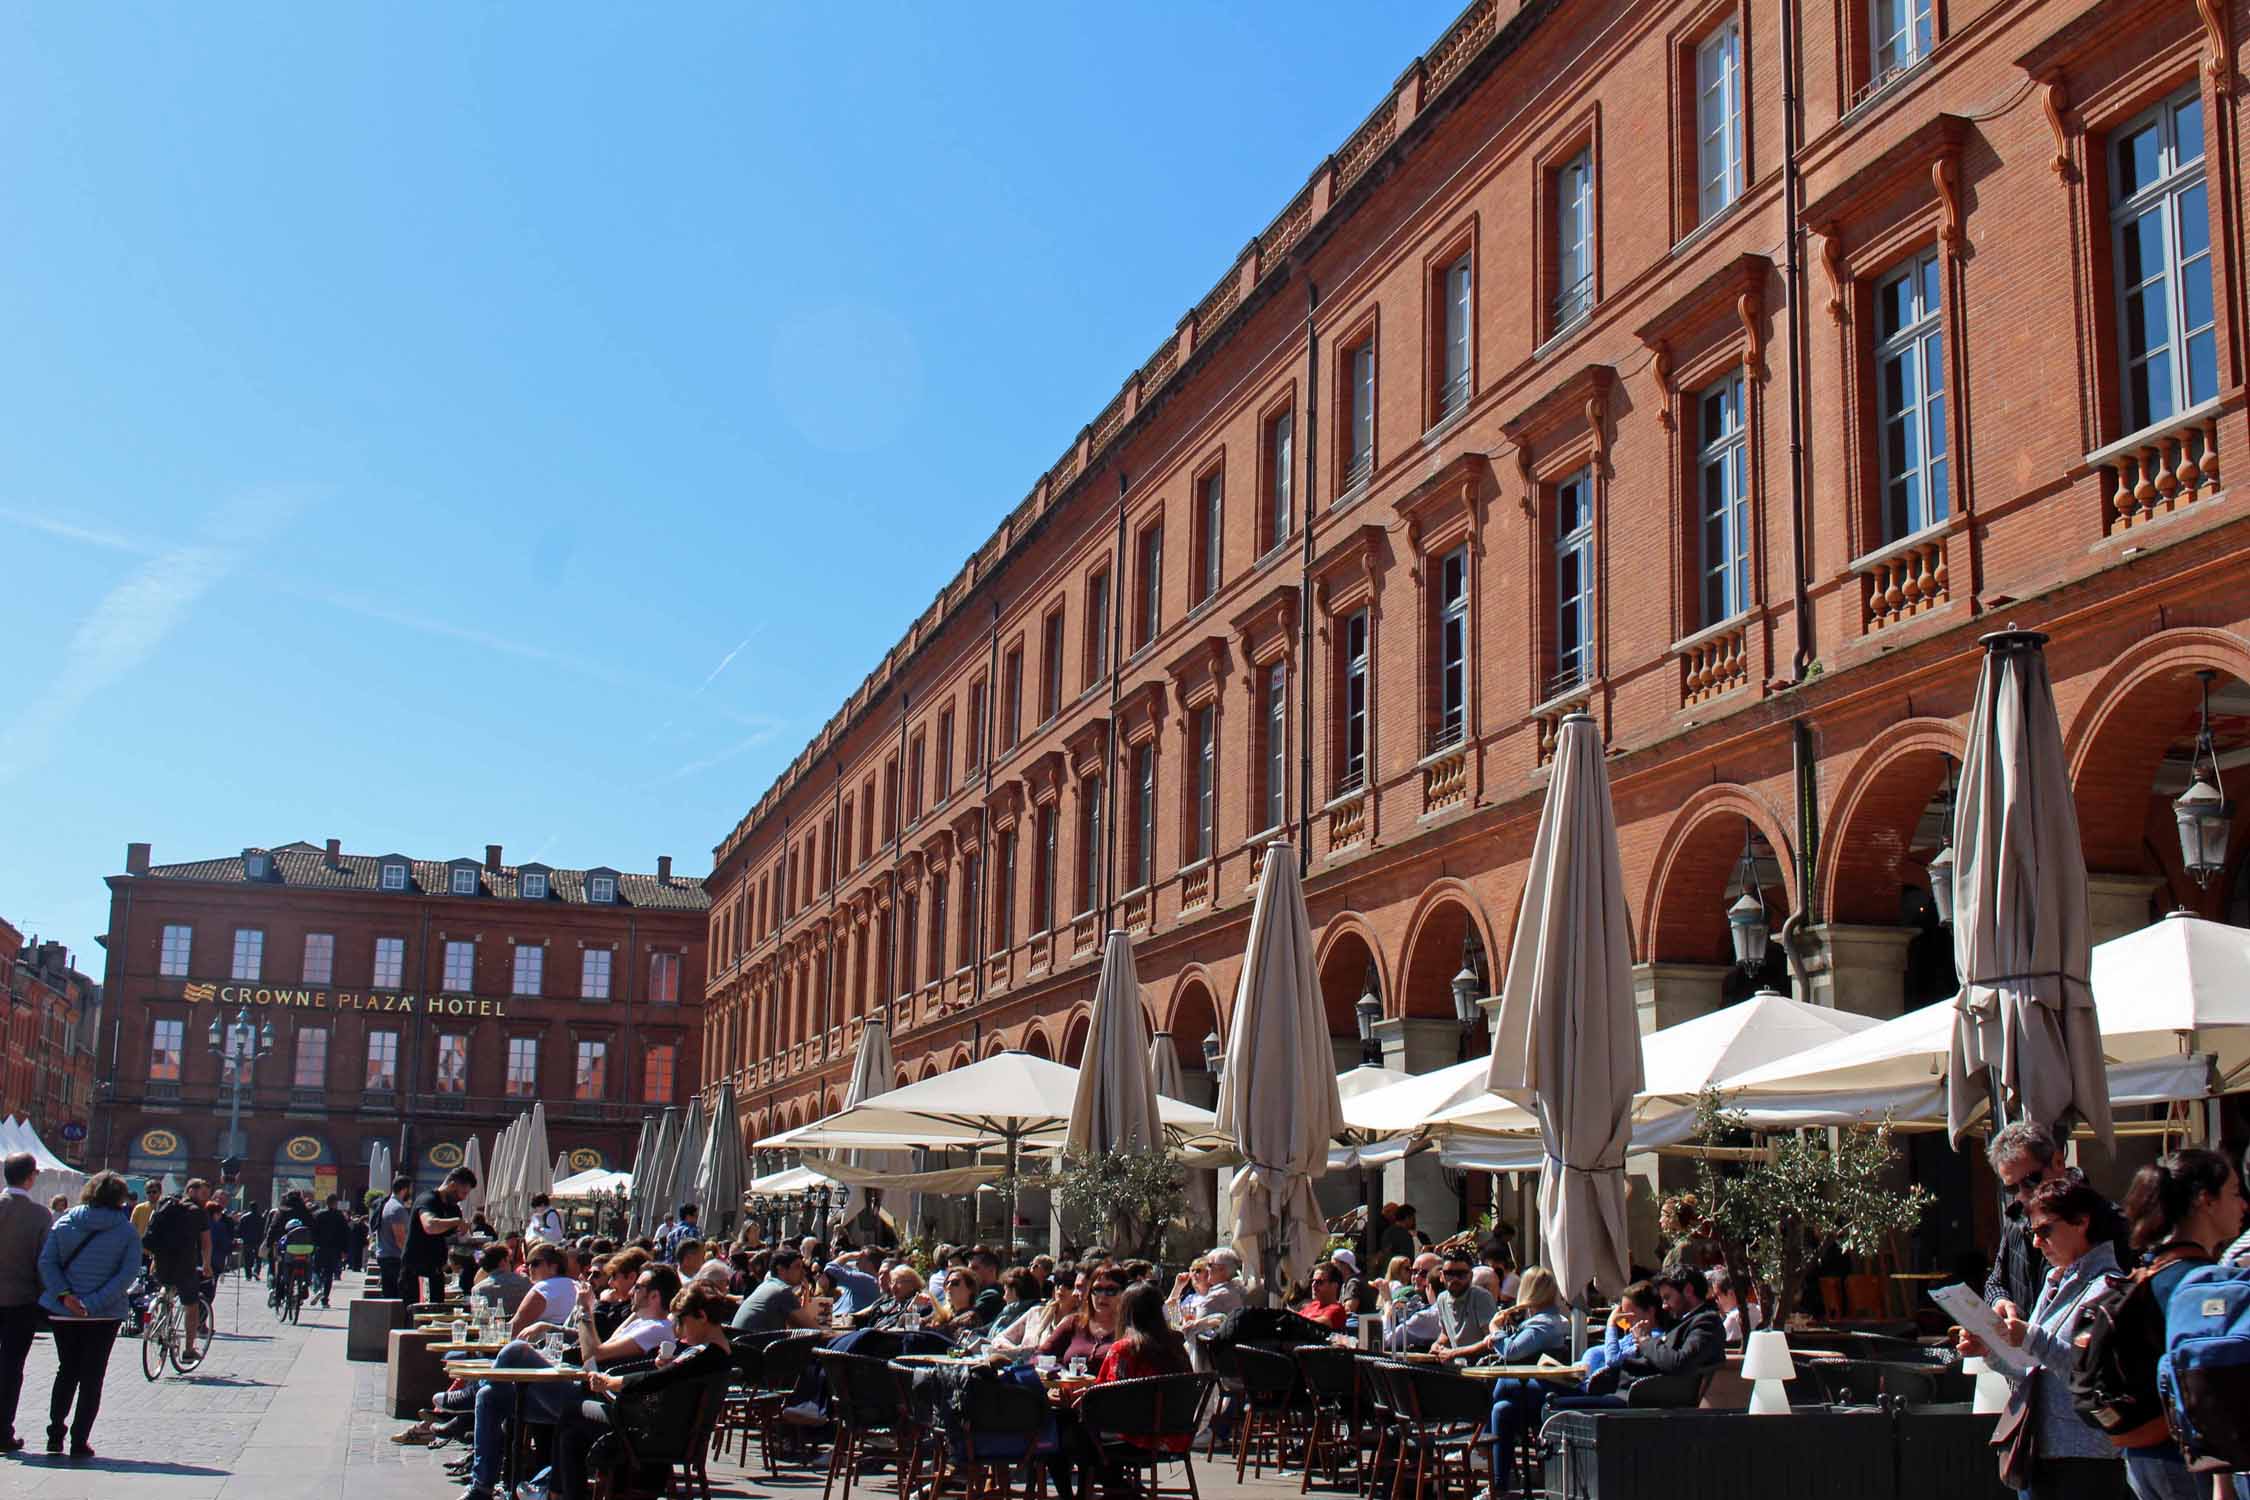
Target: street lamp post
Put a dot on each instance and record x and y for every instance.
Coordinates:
(238, 1043)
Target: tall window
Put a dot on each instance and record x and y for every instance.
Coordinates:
(1151, 562)
(1723, 503)
(1203, 745)
(1210, 524)
(1097, 626)
(382, 1061)
(944, 754)
(940, 892)
(1144, 818)
(1574, 240)
(866, 824)
(1043, 876)
(972, 756)
(320, 957)
(1574, 581)
(1011, 698)
(1281, 477)
(972, 873)
(178, 945)
(908, 933)
(913, 783)
(849, 821)
(312, 1058)
(460, 965)
(1089, 843)
(164, 1042)
(593, 973)
(1359, 413)
(1901, 35)
(1910, 391)
(1355, 704)
(1274, 763)
(1718, 120)
(1050, 665)
(663, 978)
(2162, 222)
(592, 1081)
(249, 953)
(531, 967)
(1004, 894)
(452, 1063)
(390, 963)
(890, 802)
(1452, 647)
(1453, 352)
(656, 1073)
(523, 1067)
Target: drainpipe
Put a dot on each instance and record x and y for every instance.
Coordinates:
(1808, 835)
(982, 946)
(1792, 106)
(1304, 587)
(1109, 765)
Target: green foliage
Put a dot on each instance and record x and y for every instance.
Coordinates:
(1129, 1195)
(1775, 1218)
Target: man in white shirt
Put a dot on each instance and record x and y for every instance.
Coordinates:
(546, 1221)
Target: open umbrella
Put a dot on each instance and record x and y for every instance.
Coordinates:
(1568, 1044)
(1164, 1067)
(1115, 1108)
(1009, 1097)
(719, 1174)
(2028, 1041)
(1277, 1097)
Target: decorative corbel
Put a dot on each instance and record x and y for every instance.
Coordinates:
(2054, 96)
(1523, 471)
(1749, 307)
(1832, 262)
(1662, 365)
(2221, 60)
(1597, 410)
(1945, 174)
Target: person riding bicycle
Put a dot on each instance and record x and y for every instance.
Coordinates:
(289, 1248)
(178, 1245)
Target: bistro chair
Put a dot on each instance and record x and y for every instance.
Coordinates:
(784, 1361)
(1331, 1379)
(1447, 1413)
(635, 1463)
(1686, 1389)
(1004, 1424)
(738, 1414)
(1143, 1425)
(869, 1402)
(1271, 1392)
(1380, 1409)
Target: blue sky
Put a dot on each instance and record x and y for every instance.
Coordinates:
(433, 426)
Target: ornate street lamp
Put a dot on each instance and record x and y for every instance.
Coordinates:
(238, 1044)
(1746, 919)
(2205, 816)
(1366, 1013)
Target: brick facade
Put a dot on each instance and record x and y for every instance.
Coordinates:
(53, 1017)
(467, 1049)
(1810, 706)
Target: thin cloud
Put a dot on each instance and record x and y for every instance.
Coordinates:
(72, 531)
(718, 757)
(468, 635)
(725, 662)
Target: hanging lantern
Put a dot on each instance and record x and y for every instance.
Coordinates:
(1748, 927)
(1211, 1057)
(1941, 883)
(2205, 816)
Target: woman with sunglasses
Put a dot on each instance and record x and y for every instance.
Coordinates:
(2071, 1460)
(1088, 1334)
(1028, 1333)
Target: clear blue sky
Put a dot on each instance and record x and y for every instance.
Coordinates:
(433, 426)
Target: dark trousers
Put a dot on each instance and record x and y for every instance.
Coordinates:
(575, 1436)
(2078, 1479)
(18, 1325)
(386, 1268)
(422, 1284)
(82, 1348)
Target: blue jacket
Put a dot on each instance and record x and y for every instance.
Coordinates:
(104, 1254)
(1540, 1333)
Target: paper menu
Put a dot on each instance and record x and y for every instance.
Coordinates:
(1968, 1309)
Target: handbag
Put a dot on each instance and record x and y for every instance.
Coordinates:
(2016, 1436)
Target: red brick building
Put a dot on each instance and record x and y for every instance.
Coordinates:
(53, 1018)
(411, 1001)
(1581, 376)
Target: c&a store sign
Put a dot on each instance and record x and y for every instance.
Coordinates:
(319, 999)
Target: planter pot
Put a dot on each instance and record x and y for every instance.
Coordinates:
(1946, 1450)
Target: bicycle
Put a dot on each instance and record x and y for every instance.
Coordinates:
(165, 1337)
(291, 1282)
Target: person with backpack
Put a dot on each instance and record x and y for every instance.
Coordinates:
(84, 1268)
(178, 1244)
(2190, 1207)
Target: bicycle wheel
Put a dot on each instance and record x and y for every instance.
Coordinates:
(186, 1356)
(155, 1340)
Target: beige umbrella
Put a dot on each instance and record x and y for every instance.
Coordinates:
(1164, 1067)
(1115, 1107)
(2028, 1041)
(1568, 1045)
(1277, 1098)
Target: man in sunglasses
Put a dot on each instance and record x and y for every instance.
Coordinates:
(2023, 1156)
(1465, 1310)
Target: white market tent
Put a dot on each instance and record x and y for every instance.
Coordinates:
(55, 1174)
(595, 1180)
(2182, 978)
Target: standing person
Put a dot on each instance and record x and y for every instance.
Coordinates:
(546, 1220)
(355, 1240)
(2025, 1157)
(682, 1232)
(222, 1236)
(1398, 1236)
(178, 1243)
(331, 1233)
(432, 1226)
(391, 1219)
(23, 1230)
(84, 1268)
(251, 1229)
(152, 1194)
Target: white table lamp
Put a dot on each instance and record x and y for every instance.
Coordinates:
(1766, 1365)
(1992, 1386)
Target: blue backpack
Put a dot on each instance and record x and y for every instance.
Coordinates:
(2204, 1374)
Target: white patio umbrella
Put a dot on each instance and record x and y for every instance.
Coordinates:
(594, 1182)
(495, 1183)
(988, 1102)
(1365, 1079)
(1114, 1109)
(719, 1173)
(638, 1173)
(2028, 1042)
(648, 1187)
(560, 1170)
(873, 1071)
(1568, 1044)
(1277, 1098)
(536, 1170)
(1164, 1067)
(1418, 1098)
(473, 1159)
(2184, 976)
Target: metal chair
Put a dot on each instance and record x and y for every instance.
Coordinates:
(1003, 1424)
(1271, 1391)
(1331, 1378)
(868, 1400)
(1447, 1413)
(1383, 1418)
(783, 1361)
(1138, 1422)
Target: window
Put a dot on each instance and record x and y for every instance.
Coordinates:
(1274, 763)
(394, 877)
(312, 1058)
(1453, 372)
(866, 823)
(534, 885)
(593, 1071)
(1204, 806)
(844, 828)
(1144, 817)
(464, 880)
(1050, 665)
(1004, 895)
(972, 872)
(390, 963)
(656, 1073)
(452, 1063)
(1452, 654)
(1043, 872)
(1353, 772)
(664, 978)
(1150, 556)
(972, 758)
(460, 966)
(258, 865)
(1901, 36)
(908, 933)
(382, 1061)
(601, 890)
(1281, 479)
(945, 754)
(320, 957)
(1011, 698)
(941, 891)
(249, 953)
(531, 967)
(913, 786)
(2162, 222)
(593, 974)
(1097, 626)
(890, 803)
(164, 1043)
(1359, 413)
(1089, 844)
(523, 1067)
(1723, 501)
(173, 953)
(1210, 524)
(1574, 241)
(1910, 394)
(1718, 120)
(1574, 582)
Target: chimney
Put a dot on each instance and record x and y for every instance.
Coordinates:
(136, 859)
(335, 851)
(492, 858)
(664, 869)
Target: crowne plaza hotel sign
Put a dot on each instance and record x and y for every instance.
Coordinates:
(305, 998)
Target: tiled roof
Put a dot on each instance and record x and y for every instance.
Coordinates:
(307, 866)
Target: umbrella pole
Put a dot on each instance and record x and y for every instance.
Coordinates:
(1015, 1193)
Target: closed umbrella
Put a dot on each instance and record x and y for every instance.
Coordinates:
(2027, 1041)
(473, 1159)
(561, 1170)
(649, 1187)
(1164, 1067)
(535, 1172)
(679, 1173)
(873, 1072)
(1277, 1097)
(718, 1176)
(1115, 1107)
(1568, 1044)
(494, 1184)
(638, 1173)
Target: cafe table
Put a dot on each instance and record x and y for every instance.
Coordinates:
(521, 1378)
(1561, 1374)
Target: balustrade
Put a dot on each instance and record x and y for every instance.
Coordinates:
(2159, 469)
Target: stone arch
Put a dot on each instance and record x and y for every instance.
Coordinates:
(1448, 912)
(835, 1100)
(1683, 917)
(1866, 854)
(1192, 1015)
(1074, 1035)
(1037, 1042)
(995, 1044)
(1347, 946)
(961, 1057)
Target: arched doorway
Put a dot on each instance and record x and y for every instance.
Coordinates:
(1351, 967)
(1445, 951)
(1074, 1037)
(1194, 1017)
(1725, 843)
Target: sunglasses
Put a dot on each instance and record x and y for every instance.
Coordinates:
(2027, 1182)
(2044, 1229)
(1107, 1291)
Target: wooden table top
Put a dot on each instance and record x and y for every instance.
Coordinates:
(516, 1375)
(1526, 1372)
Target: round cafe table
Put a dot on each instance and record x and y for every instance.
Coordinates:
(522, 1378)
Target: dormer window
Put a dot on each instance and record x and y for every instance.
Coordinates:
(257, 864)
(534, 886)
(601, 890)
(464, 880)
(394, 876)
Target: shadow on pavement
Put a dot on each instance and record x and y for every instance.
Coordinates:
(102, 1465)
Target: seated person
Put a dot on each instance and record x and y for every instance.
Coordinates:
(1534, 1326)
(552, 1294)
(1517, 1405)
(778, 1303)
(1732, 1309)
(1412, 1322)
(1027, 1333)
(1088, 1333)
(851, 1282)
(1326, 1306)
(956, 1314)
(499, 1283)
(1694, 1341)
(1464, 1309)
(902, 1305)
(1023, 1294)
(613, 1303)
(699, 1313)
(1146, 1345)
